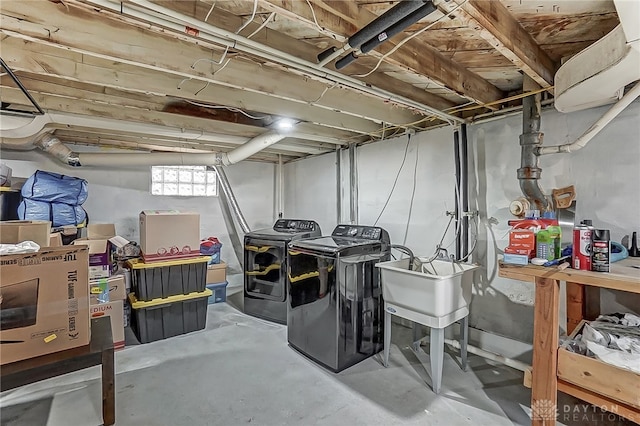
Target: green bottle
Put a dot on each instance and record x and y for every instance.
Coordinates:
(544, 245)
(556, 236)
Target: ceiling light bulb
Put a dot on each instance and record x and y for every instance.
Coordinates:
(285, 124)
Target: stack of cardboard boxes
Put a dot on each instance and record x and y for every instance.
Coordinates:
(44, 296)
(107, 289)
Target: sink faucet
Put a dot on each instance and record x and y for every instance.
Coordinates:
(407, 251)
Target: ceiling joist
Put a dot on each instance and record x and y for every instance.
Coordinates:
(494, 23)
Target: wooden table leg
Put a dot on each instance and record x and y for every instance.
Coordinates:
(108, 388)
(575, 305)
(544, 391)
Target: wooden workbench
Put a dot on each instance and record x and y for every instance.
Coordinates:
(591, 380)
(98, 352)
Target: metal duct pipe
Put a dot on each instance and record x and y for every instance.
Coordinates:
(608, 116)
(231, 198)
(375, 27)
(236, 243)
(530, 141)
(52, 145)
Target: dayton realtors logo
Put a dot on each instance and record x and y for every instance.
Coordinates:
(584, 414)
(543, 409)
(587, 414)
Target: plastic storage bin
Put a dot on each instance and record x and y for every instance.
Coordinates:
(219, 291)
(172, 316)
(159, 280)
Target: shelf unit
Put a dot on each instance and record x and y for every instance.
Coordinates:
(555, 369)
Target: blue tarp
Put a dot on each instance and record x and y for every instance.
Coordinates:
(59, 214)
(55, 188)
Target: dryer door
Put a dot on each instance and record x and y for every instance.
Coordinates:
(264, 269)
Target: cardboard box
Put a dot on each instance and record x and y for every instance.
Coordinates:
(45, 302)
(522, 239)
(115, 311)
(17, 231)
(169, 234)
(113, 286)
(101, 231)
(217, 273)
(99, 257)
(102, 241)
(55, 240)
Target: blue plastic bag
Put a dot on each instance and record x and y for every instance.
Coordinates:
(55, 188)
(59, 214)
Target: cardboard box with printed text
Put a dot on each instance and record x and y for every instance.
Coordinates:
(44, 300)
(115, 311)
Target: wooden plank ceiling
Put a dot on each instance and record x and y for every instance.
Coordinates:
(117, 61)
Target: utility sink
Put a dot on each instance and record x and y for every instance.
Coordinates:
(436, 289)
(436, 294)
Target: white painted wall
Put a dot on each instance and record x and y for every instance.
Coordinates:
(310, 191)
(605, 174)
(118, 196)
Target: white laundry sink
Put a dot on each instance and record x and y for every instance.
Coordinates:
(437, 289)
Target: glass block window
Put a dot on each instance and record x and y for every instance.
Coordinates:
(189, 181)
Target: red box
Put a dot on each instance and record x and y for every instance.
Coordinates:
(523, 239)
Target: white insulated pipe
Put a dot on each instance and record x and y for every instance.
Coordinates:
(55, 147)
(237, 42)
(608, 116)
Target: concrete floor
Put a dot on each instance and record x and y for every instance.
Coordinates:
(240, 370)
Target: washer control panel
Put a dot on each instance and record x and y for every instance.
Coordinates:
(361, 232)
(292, 225)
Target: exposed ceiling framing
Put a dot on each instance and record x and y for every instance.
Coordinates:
(86, 57)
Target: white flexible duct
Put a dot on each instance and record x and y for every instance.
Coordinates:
(612, 113)
(225, 38)
(53, 146)
(597, 75)
(21, 132)
(14, 137)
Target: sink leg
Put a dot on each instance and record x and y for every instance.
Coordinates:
(387, 338)
(464, 339)
(416, 336)
(437, 357)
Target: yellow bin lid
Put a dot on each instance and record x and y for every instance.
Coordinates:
(140, 264)
(135, 304)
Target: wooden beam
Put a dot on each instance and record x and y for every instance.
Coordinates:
(47, 62)
(104, 109)
(416, 55)
(304, 50)
(118, 41)
(494, 23)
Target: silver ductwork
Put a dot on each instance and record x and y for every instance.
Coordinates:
(231, 199)
(52, 145)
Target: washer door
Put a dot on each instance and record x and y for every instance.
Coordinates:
(264, 269)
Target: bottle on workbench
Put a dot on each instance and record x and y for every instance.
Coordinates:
(600, 250)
